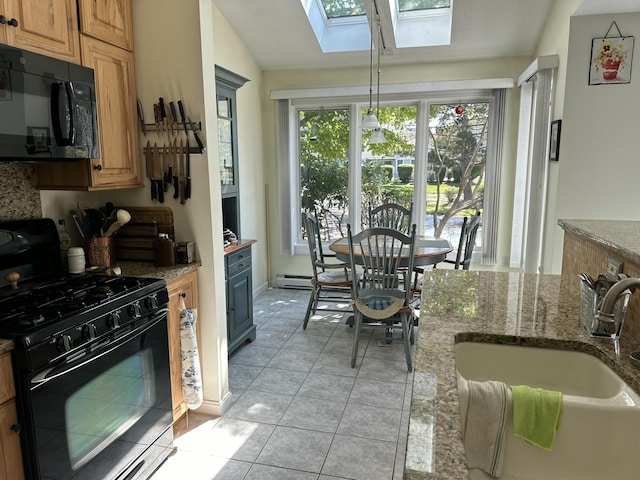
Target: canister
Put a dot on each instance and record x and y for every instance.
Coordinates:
(76, 260)
(164, 253)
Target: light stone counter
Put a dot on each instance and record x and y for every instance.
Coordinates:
(511, 308)
(621, 236)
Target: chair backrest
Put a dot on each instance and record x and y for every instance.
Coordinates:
(313, 239)
(381, 252)
(391, 215)
(467, 241)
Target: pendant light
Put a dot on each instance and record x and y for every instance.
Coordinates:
(370, 120)
(378, 136)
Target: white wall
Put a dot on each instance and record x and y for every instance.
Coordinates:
(599, 166)
(555, 41)
(231, 54)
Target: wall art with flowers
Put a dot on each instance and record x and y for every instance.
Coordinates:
(611, 59)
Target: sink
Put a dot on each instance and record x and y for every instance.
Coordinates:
(600, 426)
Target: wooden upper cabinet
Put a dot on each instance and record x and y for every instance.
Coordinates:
(114, 70)
(45, 27)
(110, 21)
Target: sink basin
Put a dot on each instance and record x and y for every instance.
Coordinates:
(600, 426)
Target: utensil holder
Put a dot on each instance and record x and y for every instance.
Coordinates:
(590, 302)
(102, 252)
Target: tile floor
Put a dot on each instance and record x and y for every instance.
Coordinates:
(300, 412)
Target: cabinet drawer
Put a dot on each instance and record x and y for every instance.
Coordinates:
(242, 264)
(239, 256)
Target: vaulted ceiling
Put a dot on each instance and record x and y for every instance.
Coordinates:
(279, 35)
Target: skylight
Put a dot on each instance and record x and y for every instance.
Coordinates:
(413, 5)
(343, 8)
(343, 25)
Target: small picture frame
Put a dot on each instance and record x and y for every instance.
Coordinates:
(611, 58)
(38, 139)
(554, 140)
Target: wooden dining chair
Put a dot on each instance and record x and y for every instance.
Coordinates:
(464, 252)
(466, 243)
(382, 292)
(331, 282)
(391, 215)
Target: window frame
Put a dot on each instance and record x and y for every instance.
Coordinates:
(291, 226)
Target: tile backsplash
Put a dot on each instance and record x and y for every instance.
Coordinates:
(19, 198)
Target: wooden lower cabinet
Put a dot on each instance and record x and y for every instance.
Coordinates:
(184, 288)
(11, 453)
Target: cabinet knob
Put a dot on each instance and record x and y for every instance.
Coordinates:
(13, 22)
(16, 427)
(98, 167)
(3, 19)
(183, 294)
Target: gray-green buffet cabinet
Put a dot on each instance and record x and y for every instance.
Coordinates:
(239, 289)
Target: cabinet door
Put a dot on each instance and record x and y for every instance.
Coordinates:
(7, 385)
(240, 309)
(184, 288)
(10, 443)
(111, 22)
(119, 162)
(49, 28)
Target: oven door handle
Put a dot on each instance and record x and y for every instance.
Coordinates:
(55, 372)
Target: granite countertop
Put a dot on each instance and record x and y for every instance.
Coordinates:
(618, 235)
(147, 269)
(511, 308)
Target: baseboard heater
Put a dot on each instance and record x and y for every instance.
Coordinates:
(293, 281)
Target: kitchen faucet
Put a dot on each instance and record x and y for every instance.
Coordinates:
(605, 313)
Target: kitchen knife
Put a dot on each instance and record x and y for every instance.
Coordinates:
(157, 118)
(169, 160)
(163, 117)
(148, 153)
(187, 181)
(174, 117)
(141, 116)
(182, 171)
(195, 134)
(157, 173)
(176, 182)
(183, 118)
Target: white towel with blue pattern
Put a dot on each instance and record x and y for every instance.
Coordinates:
(191, 377)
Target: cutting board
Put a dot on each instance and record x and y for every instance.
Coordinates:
(134, 241)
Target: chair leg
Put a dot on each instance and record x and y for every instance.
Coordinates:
(311, 307)
(406, 319)
(357, 324)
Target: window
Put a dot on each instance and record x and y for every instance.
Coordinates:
(440, 155)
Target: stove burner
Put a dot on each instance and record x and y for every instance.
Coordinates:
(29, 321)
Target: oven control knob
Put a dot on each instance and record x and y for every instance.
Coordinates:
(135, 311)
(152, 302)
(89, 331)
(64, 343)
(113, 321)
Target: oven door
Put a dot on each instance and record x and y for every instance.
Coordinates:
(107, 415)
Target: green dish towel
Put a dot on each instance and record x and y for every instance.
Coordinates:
(536, 414)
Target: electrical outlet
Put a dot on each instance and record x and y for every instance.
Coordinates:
(614, 267)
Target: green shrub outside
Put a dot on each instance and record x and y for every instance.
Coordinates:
(388, 170)
(405, 172)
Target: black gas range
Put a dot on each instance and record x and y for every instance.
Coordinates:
(90, 350)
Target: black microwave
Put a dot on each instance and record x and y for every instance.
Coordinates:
(47, 108)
